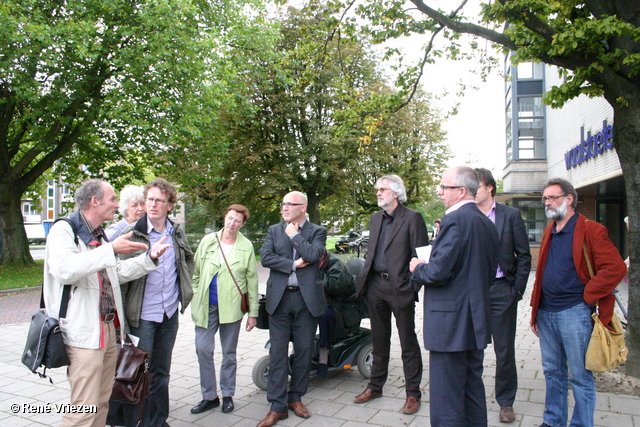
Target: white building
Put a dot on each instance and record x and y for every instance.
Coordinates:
(575, 142)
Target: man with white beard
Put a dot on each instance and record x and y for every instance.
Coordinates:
(578, 266)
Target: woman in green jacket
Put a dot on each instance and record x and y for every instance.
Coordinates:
(224, 261)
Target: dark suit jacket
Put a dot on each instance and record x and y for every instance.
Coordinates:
(457, 314)
(514, 256)
(277, 255)
(408, 232)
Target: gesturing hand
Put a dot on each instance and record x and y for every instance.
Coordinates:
(159, 248)
(122, 244)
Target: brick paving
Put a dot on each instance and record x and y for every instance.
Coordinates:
(18, 307)
(330, 399)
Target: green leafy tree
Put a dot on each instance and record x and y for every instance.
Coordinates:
(595, 43)
(323, 124)
(106, 84)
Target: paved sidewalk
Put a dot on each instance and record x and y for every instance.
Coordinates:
(330, 399)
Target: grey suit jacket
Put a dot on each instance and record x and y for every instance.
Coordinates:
(277, 255)
(407, 233)
(464, 258)
(514, 256)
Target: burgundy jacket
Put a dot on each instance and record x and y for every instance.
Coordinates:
(607, 264)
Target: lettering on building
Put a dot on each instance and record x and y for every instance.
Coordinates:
(590, 147)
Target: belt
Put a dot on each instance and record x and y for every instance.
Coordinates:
(109, 317)
(385, 276)
(292, 288)
(500, 279)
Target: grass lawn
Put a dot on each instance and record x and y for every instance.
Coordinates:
(16, 278)
(331, 243)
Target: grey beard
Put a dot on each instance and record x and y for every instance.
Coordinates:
(558, 213)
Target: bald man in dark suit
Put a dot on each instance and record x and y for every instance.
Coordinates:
(295, 302)
(457, 312)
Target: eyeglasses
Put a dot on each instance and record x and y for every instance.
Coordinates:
(446, 187)
(289, 204)
(552, 199)
(159, 202)
(382, 189)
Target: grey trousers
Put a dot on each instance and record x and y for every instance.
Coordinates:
(205, 346)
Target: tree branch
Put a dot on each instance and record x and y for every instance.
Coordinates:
(465, 27)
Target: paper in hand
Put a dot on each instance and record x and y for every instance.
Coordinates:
(424, 252)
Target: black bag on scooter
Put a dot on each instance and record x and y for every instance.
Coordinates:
(263, 316)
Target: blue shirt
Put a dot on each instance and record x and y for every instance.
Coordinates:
(161, 292)
(561, 286)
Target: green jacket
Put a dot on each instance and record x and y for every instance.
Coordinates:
(339, 286)
(242, 260)
(133, 292)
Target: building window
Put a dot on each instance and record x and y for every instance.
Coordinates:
(535, 221)
(530, 70)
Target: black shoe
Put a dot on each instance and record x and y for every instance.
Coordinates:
(227, 404)
(205, 405)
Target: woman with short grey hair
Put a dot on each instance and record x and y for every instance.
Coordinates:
(132, 208)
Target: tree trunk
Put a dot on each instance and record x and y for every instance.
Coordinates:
(627, 140)
(313, 208)
(13, 237)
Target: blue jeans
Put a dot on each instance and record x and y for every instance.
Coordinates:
(158, 339)
(564, 338)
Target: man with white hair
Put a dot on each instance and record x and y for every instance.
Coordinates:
(395, 233)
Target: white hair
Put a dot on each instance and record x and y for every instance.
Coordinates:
(130, 192)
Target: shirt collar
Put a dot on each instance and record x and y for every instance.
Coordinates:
(569, 226)
(96, 233)
(391, 215)
(459, 205)
(168, 226)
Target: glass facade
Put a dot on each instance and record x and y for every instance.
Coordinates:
(527, 120)
(535, 221)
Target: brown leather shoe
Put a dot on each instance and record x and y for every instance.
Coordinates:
(411, 405)
(299, 409)
(507, 415)
(272, 418)
(366, 396)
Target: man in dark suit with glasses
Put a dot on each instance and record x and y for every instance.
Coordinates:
(295, 302)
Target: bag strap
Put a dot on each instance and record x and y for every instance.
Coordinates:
(589, 267)
(227, 263)
(66, 291)
(586, 257)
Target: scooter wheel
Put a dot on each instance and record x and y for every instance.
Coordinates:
(365, 360)
(260, 372)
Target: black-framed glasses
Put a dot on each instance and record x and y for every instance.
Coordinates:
(289, 204)
(160, 202)
(551, 199)
(446, 187)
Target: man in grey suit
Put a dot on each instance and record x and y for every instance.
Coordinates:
(457, 314)
(295, 302)
(514, 265)
(396, 231)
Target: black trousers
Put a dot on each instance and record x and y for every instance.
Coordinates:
(456, 391)
(291, 319)
(382, 303)
(504, 310)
